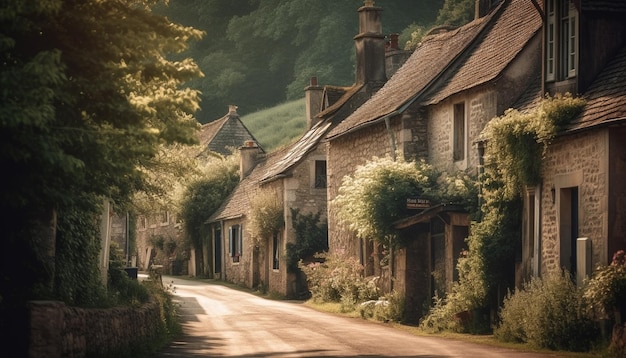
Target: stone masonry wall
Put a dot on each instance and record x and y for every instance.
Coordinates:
(344, 155)
(61, 331)
(582, 157)
(480, 107)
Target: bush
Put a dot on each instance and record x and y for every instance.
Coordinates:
(338, 278)
(606, 291)
(122, 289)
(388, 308)
(548, 313)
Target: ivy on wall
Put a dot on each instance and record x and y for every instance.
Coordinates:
(515, 145)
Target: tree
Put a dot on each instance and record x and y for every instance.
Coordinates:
(89, 96)
(261, 53)
(456, 12)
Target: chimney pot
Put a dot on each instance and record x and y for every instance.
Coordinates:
(232, 109)
(313, 81)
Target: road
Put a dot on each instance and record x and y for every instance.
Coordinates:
(222, 322)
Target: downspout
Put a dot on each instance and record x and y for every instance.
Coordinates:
(392, 143)
(392, 138)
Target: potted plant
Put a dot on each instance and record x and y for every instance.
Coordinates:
(606, 290)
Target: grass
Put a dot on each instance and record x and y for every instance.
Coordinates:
(277, 126)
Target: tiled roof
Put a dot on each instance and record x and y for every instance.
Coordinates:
(423, 67)
(337, 97)
(209, 130)
(238, 201)
(606, 97)
(507, 37)
(302, 147)
(223, 134)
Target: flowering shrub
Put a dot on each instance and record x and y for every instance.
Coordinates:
(337, 278)
(606, 290)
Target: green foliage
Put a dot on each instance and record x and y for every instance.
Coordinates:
(385, 309)
(548, 313)
(311, 238)
(456, 12)
(266, 216)
(374, 197)
(338, 278)
(92, 98)
(516, 143)
(122, 289)
(277, 126)
(307, 38)
(205, 195)
(371, 200)
(77, 277)
(606, 290)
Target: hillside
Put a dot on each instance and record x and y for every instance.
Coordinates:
(277, 126)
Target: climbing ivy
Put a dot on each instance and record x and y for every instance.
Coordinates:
(516, 143)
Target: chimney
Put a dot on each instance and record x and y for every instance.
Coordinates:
(394, 56)
(370, 46)
(482, 7)
(313, 102)
(248, 153)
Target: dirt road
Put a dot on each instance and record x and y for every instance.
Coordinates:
(222, 322)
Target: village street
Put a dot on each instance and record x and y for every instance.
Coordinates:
(219, 321)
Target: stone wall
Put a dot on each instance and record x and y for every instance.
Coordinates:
(60, 331)
(575, 161)
(344, 155)
(480, 107)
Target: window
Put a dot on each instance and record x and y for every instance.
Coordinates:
(143, 223)
(276, 252)
(320, 174)
(561, 40)
(458, 153)
(164, 217)
(235, 243)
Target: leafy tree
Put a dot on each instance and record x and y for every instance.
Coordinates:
(374, 197)
(89, 96)
(456, 12)
(277, 46)
(202, 197)
(311, 238)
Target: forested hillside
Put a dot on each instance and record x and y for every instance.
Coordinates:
(256, 54)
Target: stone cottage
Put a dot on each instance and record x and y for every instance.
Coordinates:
(296, 175)
(434, 108)
(576, 216)
(163, 229)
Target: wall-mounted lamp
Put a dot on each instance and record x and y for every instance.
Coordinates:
(553, 192)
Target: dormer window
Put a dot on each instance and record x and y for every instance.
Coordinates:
(561, 40)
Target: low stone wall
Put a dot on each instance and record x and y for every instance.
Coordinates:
(60, 331)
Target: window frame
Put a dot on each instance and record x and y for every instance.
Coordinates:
(235, 242)
(459, 132)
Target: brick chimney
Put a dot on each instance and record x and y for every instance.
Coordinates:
(370, 46)
(313, 101)
(249, 153)
(395, 57)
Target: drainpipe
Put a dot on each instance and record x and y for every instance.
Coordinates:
(392, 138)
(392, 257)
(481, 171)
